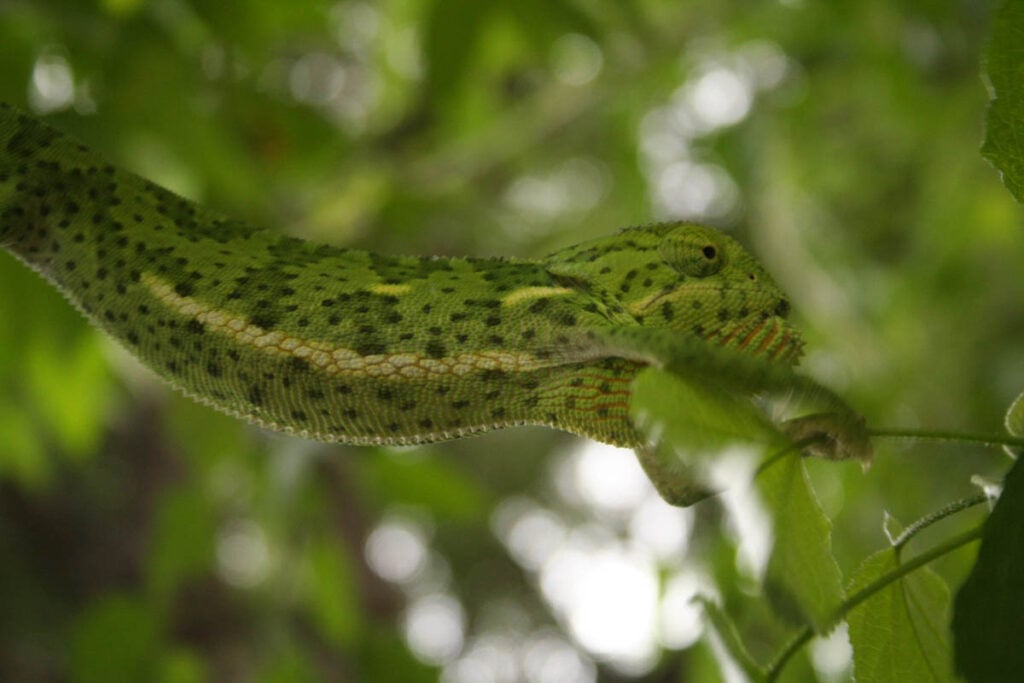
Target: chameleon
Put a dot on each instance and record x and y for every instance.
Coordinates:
(350, 346)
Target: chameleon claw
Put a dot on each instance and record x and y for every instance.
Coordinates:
(833, 436)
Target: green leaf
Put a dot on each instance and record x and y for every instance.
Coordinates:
(730, 639)
(182, 545)
(1014, 422)
(453, 32)
(1015, 417)
(900, 633)
(693, 416)
(988, 613)
(332, 595)
(114, 640)
(803, 580)
(429, 482)
(1004, 144)
(70, 384)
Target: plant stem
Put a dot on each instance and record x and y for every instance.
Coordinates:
(940, 435)
(940, 514)
(775, 668)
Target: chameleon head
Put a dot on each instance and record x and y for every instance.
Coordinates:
(714, 288)
(691, 278)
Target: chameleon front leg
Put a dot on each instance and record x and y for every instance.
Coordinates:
(675, 481)
(836, 432)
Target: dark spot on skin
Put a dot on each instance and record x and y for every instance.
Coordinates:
(384, 394)
(426, 423)
(299, 415)
(436, 349)
(195, 327)
(539, 305)
(371, 348)
(263, 320)
(460, 404)
(493, 321)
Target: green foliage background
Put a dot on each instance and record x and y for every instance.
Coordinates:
(480, 127)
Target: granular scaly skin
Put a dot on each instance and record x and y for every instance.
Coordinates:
(350, 346)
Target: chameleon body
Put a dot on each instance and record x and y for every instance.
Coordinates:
(349, 346)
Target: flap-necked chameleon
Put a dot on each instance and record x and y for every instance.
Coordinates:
(351, 346)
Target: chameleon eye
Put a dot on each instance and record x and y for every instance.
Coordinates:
(693, 255)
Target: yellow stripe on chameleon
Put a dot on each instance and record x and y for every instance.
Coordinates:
(526, 293)
(385, 289)
(335, 360)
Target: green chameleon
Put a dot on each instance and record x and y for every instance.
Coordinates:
(355, 347)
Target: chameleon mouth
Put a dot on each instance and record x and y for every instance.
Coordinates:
(769, 337)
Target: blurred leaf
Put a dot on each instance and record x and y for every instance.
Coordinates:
(1015, 417)
(543, 21)
(988, 615)
(291, 666)
(428, 481)
(803, 580)
(386, 658)
(332, 595)
(901, 632)
(116, 639)
(182, 542)
(70, 384)
(453, 33)
(695, 417)
(1004, 145)
(183, 666)
(1014, 422)
(22, 457)
(730, 639)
